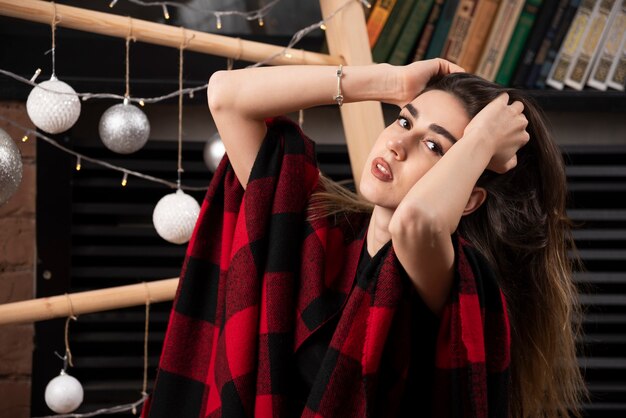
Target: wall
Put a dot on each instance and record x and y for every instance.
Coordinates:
(17, 272)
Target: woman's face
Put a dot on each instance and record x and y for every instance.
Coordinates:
(425, 130)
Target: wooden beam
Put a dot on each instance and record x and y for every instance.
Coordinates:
(156, 33)
(346, 35)
(87, 302)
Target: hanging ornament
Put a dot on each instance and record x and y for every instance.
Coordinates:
(55, 109)
(10, 167)
(175, 216)
(124, 128)
(213, 152)
(64, 393)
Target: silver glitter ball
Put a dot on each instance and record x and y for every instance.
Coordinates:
(175, 217)
(10, 167)
(124, 128)
(213, 152)
(51, 111)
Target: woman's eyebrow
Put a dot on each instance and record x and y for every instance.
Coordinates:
(438, 129)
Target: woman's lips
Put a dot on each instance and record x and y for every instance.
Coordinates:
(381, 170)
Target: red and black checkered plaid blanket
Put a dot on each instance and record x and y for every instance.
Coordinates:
(259, 282)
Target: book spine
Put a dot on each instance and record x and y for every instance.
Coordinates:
(377, 19)
(412, 29)
(499, 37)
(429, 29)
(391, 31)
(477, 34)
(518, 40)
(458, 30)
(575, 34)
(588, 50)
(545, 57)
(610, 51)
(538, 33)
(442, 29)
(617, 74)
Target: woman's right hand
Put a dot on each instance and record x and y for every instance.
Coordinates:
(502, 127)
(408, 81)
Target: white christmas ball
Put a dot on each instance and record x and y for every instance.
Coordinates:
(53, 112)
(124, 128)
(10, 167)
(64, 394)
(213, 152)
(175, 216)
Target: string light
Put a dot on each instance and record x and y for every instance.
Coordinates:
(125, 180)
(366, 4)
(142, 103)
(78, 166)
(261, 22)
(96, 161)
(323, 26)
(166, 13)
(112, 4)
(25, 138)
(34, 77)
(218, 25)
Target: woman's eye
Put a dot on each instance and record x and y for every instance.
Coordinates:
(434, 146)
(404, 122)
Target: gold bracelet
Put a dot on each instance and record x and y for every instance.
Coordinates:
(339, 97)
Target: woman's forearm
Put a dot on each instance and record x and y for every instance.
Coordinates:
(258, 93)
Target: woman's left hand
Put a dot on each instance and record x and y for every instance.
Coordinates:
(412, 79)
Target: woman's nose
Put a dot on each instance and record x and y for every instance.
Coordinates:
(397, 146)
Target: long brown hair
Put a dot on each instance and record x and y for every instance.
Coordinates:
(523, 231)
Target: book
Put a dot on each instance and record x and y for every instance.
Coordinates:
(574, 37)
(477, 33)
(441, 30)
(391, 31)
(458, 30)
(609, 51)
(602, 18)
(520, 34)
(377, 18)
(617, 73)
(412, 29)
(554, 38)
(429, 29)
(499, 36)
(535, 39)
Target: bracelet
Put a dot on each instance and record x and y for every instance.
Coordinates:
(339, 97)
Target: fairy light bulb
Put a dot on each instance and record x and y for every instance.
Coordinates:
(34, 77)
(125, 180)
(261, 22)
(166, 13)
(25, 138)
(78, 165)
(287, 54)
(112, 4)
(219, 21)
(323, 26)
(142, 103)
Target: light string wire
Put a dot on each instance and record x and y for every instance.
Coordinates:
(129, 37)
(126, 171)
(251, 15)
(72, 317)
(53, 29)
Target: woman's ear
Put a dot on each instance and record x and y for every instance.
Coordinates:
(476, 199)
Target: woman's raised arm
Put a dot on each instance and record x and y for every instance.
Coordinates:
(240, 100)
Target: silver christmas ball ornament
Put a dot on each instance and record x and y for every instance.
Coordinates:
(64, 393)
(53, 110)
(175, 217)
(124, 128)
(214, 152)
(10, 167)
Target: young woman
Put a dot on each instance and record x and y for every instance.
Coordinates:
(451, 296)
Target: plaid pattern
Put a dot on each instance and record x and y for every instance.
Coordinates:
(259, 281)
